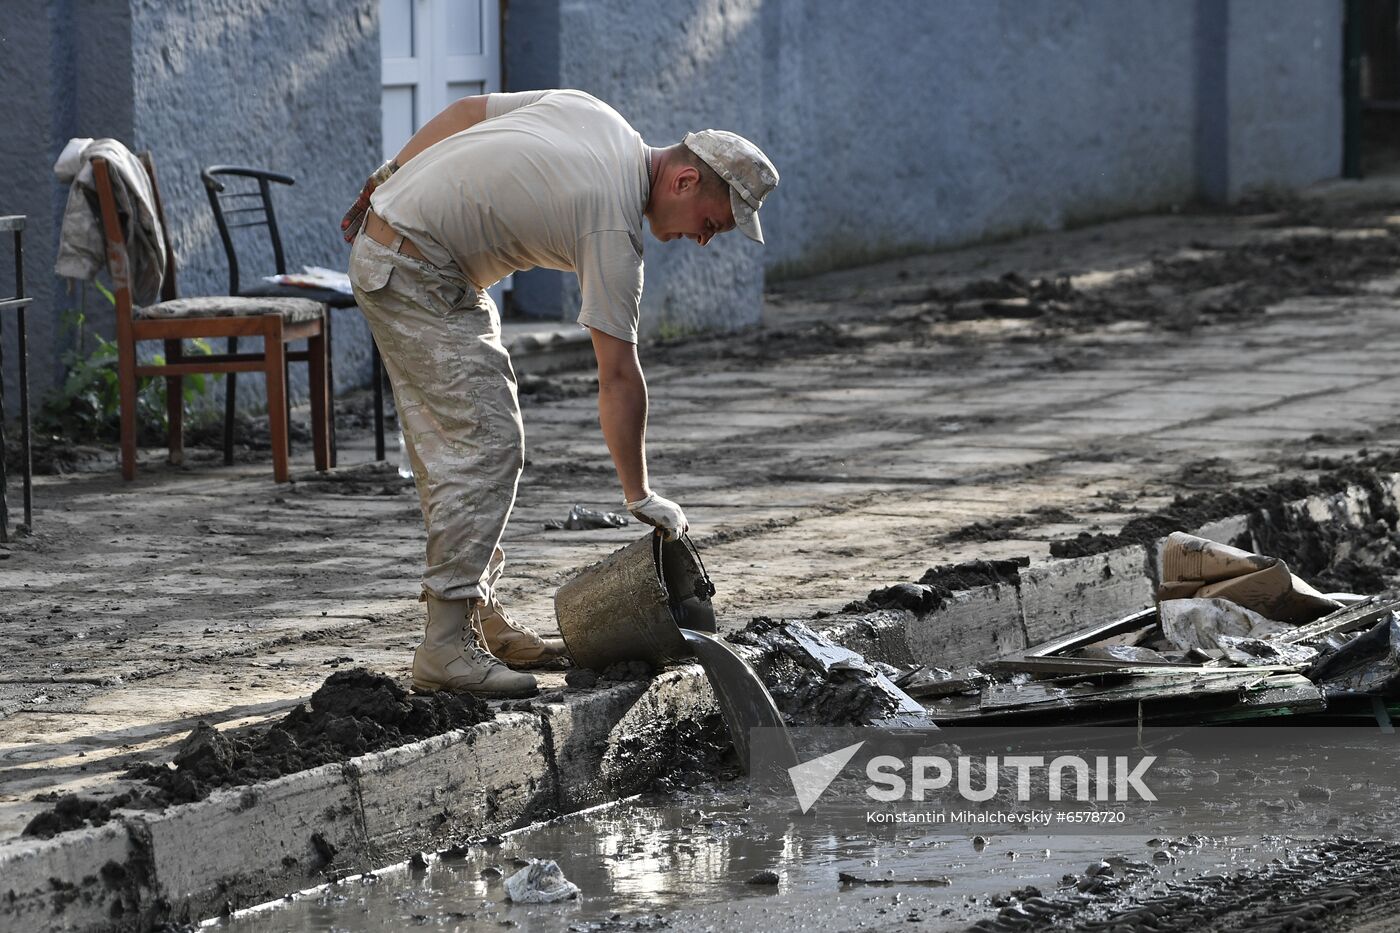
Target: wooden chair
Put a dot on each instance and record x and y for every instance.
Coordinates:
(279, 321)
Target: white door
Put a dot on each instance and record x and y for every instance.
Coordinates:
(434, 52)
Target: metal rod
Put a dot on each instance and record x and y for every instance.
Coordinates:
(4, 504)
(25, 440)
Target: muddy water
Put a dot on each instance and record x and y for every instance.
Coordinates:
(668, 857)
(689, 862)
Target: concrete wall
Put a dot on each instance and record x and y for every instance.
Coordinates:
(1284, 64)
(902, 126)
(291, 87)
(64, 71)
(668, 68)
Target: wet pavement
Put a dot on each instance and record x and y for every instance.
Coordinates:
(721, 856)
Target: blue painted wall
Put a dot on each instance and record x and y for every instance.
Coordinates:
(668, 68)
(288, 86)
(907, 125)
(902, 125)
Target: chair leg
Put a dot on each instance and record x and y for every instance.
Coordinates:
(318, 367)
(175, 404)
(330, 386)
(377, 379)
(230, 405)
(275, 367)
(126, 391)
(287, 394)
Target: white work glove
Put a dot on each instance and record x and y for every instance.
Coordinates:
(660, 513)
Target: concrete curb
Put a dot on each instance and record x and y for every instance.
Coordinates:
(1062, 596)
(246, 845)
(243, 846)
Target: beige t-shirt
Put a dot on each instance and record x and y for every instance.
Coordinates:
(550, 178)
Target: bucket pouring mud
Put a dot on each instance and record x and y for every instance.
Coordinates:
(744, 703)
(650, 601)
(632, 605)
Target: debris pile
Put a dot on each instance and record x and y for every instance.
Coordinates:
(815, 681)
(1233, 636)
(1337, 883)
(1363, 557)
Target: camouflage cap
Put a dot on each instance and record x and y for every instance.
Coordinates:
(749, 173)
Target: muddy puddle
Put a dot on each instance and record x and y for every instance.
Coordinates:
(723, 856)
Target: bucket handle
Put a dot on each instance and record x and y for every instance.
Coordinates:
(704, 587)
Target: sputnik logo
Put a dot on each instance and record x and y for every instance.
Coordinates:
(811, 778)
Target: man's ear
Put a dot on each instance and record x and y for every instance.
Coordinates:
(686, 180)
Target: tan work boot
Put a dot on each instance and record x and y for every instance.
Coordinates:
(518, 645)
(450, 657)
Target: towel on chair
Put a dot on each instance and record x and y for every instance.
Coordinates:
(82, 248)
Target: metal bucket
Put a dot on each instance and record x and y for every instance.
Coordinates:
(631, 605)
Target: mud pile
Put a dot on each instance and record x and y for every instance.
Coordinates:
(938, 584)
(534, 389)
(1334, 556)
(1328, 255)
(71, 812)
(666, 756)
(353, 713)
(1181, 292)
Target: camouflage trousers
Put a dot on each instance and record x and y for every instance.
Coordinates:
(455, 392)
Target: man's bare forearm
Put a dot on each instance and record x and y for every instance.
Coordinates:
(622, 411)
(455, 117)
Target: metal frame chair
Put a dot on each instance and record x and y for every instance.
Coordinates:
(243, 206)
(278, 321)
(17, 302)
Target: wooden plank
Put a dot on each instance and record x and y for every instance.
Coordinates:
(1064, 597)
(185, 369)
(924, 684)
(1031, 665)
(1090, 635)
(1346, 619)
(1081, 696)
(971, 625)
(1280, 695)
(1211, 699)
